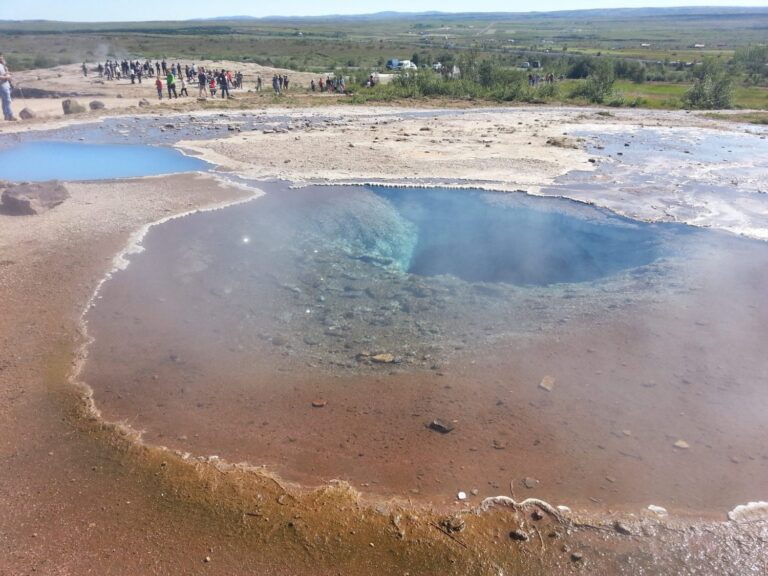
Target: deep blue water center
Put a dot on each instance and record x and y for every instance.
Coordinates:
(517, 239)
(39, 161)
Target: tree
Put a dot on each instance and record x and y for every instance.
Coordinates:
(599, 83)
(712, 87)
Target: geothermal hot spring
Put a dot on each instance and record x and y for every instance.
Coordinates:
(573, 354)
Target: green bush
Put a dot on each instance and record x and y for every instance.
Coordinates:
(712, 87)
(599, 84)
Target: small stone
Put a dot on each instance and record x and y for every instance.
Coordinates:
(279, 340)
(96, 105)
(319, 403)
(26, 114)
(547, 383)
(383, 358)
(499, 445)
(518, 535)
(622, 528)
(461, 496)
(440, 426)
(537, 515)
(577, 556)
(207, 559)
(682, 445)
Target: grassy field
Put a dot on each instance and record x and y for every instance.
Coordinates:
(670, 96)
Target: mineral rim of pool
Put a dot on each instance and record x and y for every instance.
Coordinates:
(40, 161)
(589, 359)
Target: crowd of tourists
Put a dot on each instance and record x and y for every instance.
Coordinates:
(172, 77)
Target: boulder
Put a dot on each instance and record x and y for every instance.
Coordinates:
(96, 105)
(29, 198)
(72, 106)
(144, 102)
(26, 114)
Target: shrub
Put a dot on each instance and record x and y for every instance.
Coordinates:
(599, 84)
(712, 88)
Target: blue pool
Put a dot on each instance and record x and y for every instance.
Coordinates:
(40, 161)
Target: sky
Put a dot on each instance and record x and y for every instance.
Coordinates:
(142, 10)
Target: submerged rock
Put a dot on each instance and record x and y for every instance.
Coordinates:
(439, 426)
(33, 198)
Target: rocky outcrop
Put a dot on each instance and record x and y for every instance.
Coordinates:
(26, 114)
(96, 105)
(30, 198)
(72, 106)
(27, 92)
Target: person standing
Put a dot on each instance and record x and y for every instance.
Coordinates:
(258, 83)
(202, 83)
(170, 80)
(159, 86)
(223, 85)
(5, 90)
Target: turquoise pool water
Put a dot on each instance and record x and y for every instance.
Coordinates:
(40, 161)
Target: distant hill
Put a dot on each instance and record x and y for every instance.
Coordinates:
(592, 14)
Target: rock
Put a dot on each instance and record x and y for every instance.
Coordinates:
(144, 102)
(562, 142)
(577, 556)
(383, 358)
(518, 535)
(452, 524)
(33, 198)
(682, 445)
(26, 114)
(499, 445)
(71, 106)
(439, 426)
(547, 383)
(461, 496)
(96, 105)
(622, 528)
(658, 510)
(530, 483)
(279, 340)
(537, 515)
(319, 403)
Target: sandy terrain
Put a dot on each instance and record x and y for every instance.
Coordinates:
(79, 496)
